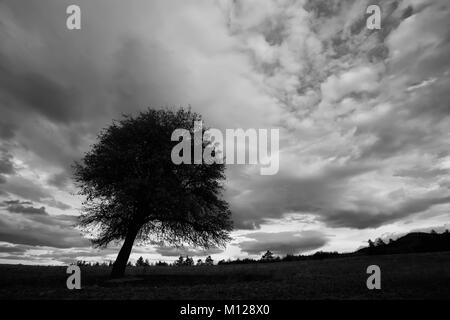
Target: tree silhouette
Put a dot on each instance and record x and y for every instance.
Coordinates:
(179, 262)
(209, 261)
(379, 242)
(133, 190)
(140, 262)
(188, 261)
(268, 256)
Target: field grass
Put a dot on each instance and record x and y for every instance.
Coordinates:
(404, 276)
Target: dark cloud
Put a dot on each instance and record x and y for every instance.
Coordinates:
(18, 208)
(57, 204)
(39, 93)
(29, 190)
(422, 172)
(374, 217)
(25, 81)
(59, 180)
(13, 249)
(15, 202)
(289, 242)
(7, 130)
(271, 197)
(6, 165)
(41, 230)
(324, 8)
(59, 88)
(26, 189)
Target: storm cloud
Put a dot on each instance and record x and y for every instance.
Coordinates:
(363, 114)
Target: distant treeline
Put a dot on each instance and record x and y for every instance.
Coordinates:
(414, 242)
(411, 243)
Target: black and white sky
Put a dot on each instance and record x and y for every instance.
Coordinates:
(364, 115)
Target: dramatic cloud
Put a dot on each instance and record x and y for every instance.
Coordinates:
(365, 117)
(18, 208)
(34, 227)
(363, 114)
(12, 249)
(6, 166)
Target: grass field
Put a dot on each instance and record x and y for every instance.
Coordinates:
(403, 276)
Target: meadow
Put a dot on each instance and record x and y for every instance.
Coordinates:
(403, 276)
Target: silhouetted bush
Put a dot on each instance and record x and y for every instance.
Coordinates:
(209, 261)
(267, 257)
(188, 261)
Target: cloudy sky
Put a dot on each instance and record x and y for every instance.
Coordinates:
(363, 114)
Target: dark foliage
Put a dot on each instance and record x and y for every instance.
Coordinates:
(209, 261)
(142, 263)
(267, 257)
(134, 191)
(411, 243)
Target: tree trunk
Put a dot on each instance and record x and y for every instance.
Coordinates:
(118, 270)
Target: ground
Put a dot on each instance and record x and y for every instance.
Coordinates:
(403, 276)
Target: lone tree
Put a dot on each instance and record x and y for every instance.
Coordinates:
(379, 242)
(267, 257)
(140, 262)
(134, 191)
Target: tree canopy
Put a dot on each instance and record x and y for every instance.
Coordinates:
(133, 190)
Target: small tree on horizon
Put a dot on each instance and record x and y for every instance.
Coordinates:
(134, 191)
(379, 242)
(140, 262)
(188, 261)
(268, 256)
(209, 261)
(179, 262)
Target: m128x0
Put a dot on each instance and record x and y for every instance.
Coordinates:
(247, 309)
